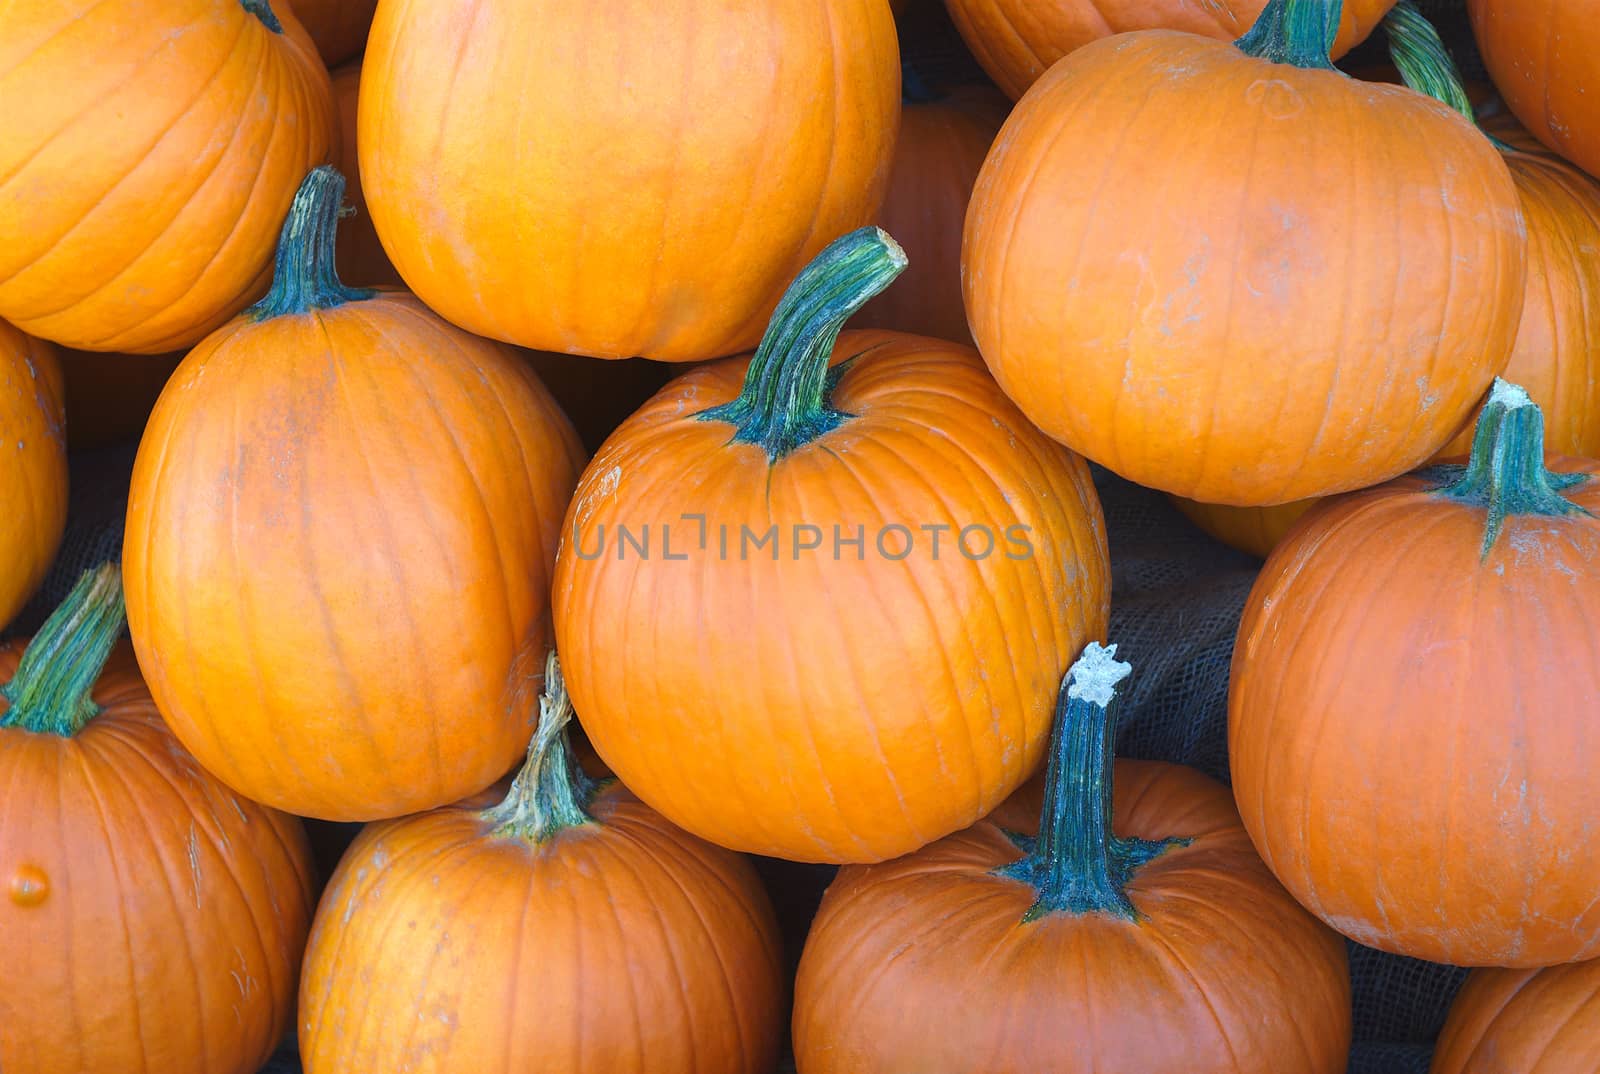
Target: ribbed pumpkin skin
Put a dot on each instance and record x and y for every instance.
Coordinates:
(1225, 975)
(1016, 41)
(1154, 319)
(109, 396)
(337, 27)
(339, 540)
(143, 183)
(1255, 531)
(620, 948)
(692, 157)
(1544, 57)
(1524, 1021)
(361, 259)
(1411, 729)
(33, 466)
(942, 145)
(170, 934)
(819, 709)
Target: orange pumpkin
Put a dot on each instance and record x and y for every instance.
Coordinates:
(1016, 41)
(941, 147)
(1140, 934)
(338, 27)
(1526, 1021)
(341, 526)
(686, 167)
(153, 920)
(568, 928)
(1411, 706)
(360, 255)
(1255, 531)
(147, 162)
(109, 396)
(1327, 326)
(887, 569)
(33, 467)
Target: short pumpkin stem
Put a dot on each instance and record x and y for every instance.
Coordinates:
(1506, 474)
(1418, 53)
(784, 404)
(551, 793)
(1077, 864)
(262, 10)
(52, 692)
(1298, 32)
(304, 277)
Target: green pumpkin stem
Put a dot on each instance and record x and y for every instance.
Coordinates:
(304, 278)
(1078, 865)
(1418, 53)
(52, 692)
(784, 403)
(551, 793)
(1298, 32)
(1505, 474)
(262, 10)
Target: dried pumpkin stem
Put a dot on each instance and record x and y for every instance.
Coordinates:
(551, 793)
(1078, 864)
(1505, 474)
(262, 10)
(52, 692)
(1298, 32)
(304, 278)
(784, 403)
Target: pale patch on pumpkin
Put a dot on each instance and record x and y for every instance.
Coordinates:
(194, 862)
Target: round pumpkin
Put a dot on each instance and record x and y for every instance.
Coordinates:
(149, 160)
(692, 156)
(1016, 41)
(341, 526)
(1255, 531)
(1526, 1021)
(1411, 706)
(863, 587)
(337, 27)
(153, 919)
(1325, 326)
(33, 466)
(1126, 931)
(360, 259)
(568, 928)
(109, 396)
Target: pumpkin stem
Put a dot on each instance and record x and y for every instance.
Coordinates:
(1425, 65)
(262, 10)
(1505, 474)
(1077, 864)
(52, 692)
(784, 403)
(304, 278)
(1298, 32)
(551, 793)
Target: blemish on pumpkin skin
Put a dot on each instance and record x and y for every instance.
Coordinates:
(194, 862)
(29, 887)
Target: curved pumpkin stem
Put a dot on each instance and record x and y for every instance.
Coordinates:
(1506, 474)
(1078, 864)
(52, 692)
(1425, 65)
(551, 793)
(1298, 32)
(304, 277)
(784, 403)
(262, 10)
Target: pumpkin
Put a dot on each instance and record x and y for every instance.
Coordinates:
(1325, 327)
(341, 525)
(153, 919)
(143, 182)
(337, 27)
(1252, 530)
(1410, 724)
(109, 396)
(1016, 41)
(863, 587)
(568, 928)
(33, 467)
(360, 257)
(1544, 58)
(1133, 930)
(686, 169)
(942, 144)
(1527, 1021)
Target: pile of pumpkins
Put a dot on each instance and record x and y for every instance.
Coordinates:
(840, 600)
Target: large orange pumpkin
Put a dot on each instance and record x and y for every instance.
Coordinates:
(147, 157)
(623, 177)
(361, 259)
(1135, 934)
(33, 466)
(109, 396)
(1323, 324)
(863, 588)
(1412, 707)
(1016, 41)
(153, 919)
(338, 27)
(341, 526)
(568, 928)
(1524, 1022)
